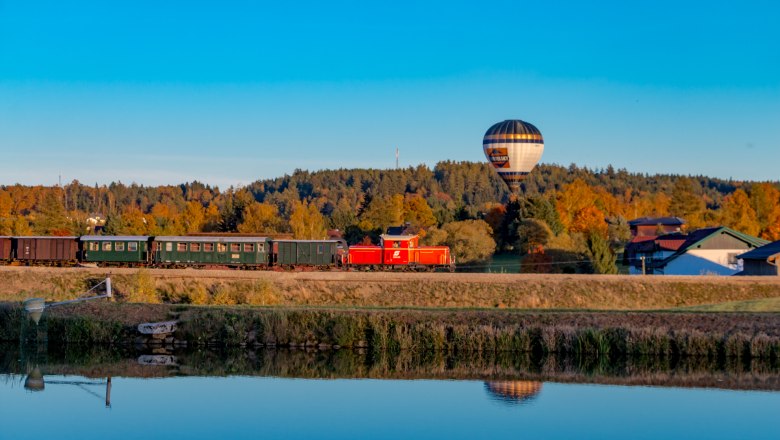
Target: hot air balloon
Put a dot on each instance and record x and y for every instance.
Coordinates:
(513, 147)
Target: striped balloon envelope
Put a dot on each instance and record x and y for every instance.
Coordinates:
(513, 147)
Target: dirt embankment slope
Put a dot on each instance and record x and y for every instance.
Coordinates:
(357, 289)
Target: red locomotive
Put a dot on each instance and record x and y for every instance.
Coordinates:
(400, 252)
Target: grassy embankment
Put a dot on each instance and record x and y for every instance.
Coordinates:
(440, 290)
(423, 312)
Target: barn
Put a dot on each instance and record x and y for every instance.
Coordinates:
(761, 261)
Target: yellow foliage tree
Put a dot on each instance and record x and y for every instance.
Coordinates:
(737, 213)
(306, 222)
(194, 216)
(260, 217)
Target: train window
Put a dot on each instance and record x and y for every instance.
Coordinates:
(320, 249)
(169, 246)
(181, 247)
(249, 247)
(195, 247)
(260, 247)
(106, 245)
(119, 246)
(132, 246)
(235, 247)
(221, 247)
(93, 246)
(208, 247)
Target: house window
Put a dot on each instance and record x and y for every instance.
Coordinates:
(169, 246)
(195, 247)
(208, 247)
(181, 247)
(320, 249)
(132, 247)
(249, 247)
(106, 245)
(221, 247)
(235, 247)
(732, 258)
(119, 246)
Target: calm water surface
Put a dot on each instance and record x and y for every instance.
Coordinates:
(73, 407)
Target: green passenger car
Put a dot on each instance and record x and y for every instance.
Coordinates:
(305, 253)
(206, 251)
(129, 249)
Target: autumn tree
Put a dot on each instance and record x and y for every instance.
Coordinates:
(686, 203)
(738, 214)
(417, 211)
(52, 219)
(262, 218)
(470, 241)
(532, 234)
(765, 201)
(382, 212)
(307, 222)
(194, 217)
(578, 211)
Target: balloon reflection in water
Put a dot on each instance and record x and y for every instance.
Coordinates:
(514, 390)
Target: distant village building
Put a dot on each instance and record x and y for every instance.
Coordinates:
(654, 226)
(762, 261)
(707, 251)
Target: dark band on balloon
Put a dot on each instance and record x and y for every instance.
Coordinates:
(512, 141)
(512, 175)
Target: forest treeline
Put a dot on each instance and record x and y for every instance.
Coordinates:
(570, 215)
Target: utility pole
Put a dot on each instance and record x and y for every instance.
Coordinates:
(643, 264)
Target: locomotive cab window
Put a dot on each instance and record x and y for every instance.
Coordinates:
(119, 246)
(107, 246)
(221, 247)
(132, 247)
(396, 244)
(249, 247)
(195, 247)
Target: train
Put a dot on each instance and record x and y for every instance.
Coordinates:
(394, 252)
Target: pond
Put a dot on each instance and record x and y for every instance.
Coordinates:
(316, 395)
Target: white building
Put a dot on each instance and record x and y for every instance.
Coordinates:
(708, 251)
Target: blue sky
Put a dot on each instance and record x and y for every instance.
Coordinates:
(230, 92)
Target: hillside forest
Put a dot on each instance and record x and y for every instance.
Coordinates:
(567, 219)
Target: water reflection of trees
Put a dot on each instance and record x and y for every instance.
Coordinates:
(489, 367)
